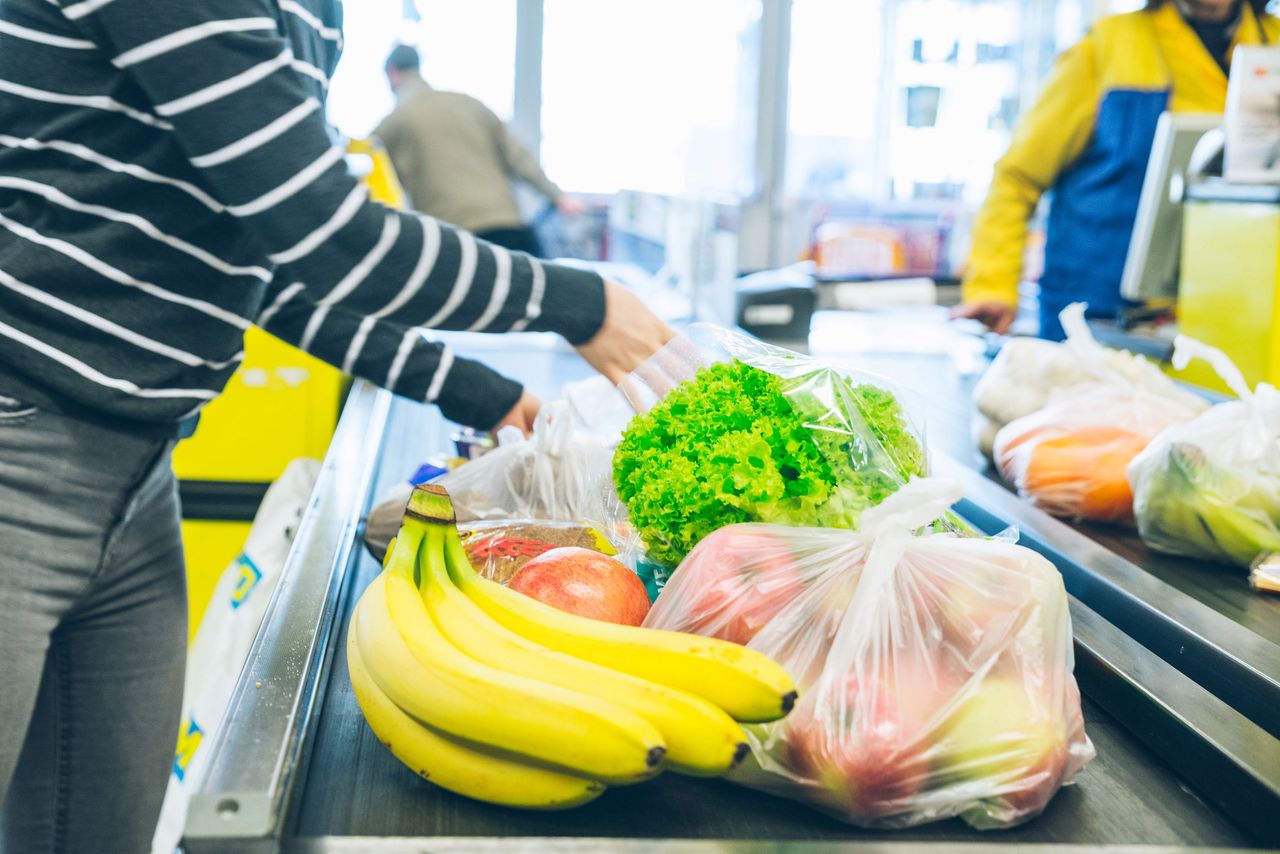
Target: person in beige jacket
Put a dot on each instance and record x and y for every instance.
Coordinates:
(456, 159)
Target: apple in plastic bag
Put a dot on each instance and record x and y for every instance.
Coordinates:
(586, 583)
(863, 743)
(1005, 736)
(735, 581)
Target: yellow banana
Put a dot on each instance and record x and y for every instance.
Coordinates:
(748, 685)
(465, 770)
(701, 738)
(430, 679)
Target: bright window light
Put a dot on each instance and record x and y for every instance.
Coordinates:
(657, 96)
(465, 46)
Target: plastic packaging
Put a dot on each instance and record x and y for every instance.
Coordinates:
(735, 430)
(1028, 373)
(1210, 488)
(1070, 458)
(559, 474)
(498, 548)
(935, 671)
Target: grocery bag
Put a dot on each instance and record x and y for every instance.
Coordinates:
(935, 671)
(733, 430)
(559, 473)
(226, 633)
(1210, 488)
(1028, 373)
(1070, 457)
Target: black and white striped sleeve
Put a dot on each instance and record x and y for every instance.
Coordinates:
(225, 77)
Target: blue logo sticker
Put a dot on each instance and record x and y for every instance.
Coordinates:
(249, 577)
(189, 737)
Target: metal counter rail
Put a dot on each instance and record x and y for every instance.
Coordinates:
(1230, 659)
(255, 755)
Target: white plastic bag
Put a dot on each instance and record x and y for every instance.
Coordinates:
(1210, 488)
(226, 632)
(935, 671)
(558, 474)
(1070, 458)
(1028, 373)
(554, 474)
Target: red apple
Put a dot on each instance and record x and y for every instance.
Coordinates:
(863, 743)
(735, 581)
(981, 601)
(584, 582)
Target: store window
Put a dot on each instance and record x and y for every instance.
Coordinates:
(470, 46)
(466, 46)
(833, 98)
(657, 96)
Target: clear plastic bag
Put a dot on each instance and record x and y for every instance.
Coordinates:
(935, 671)
(734, 430)
(497, 548)
(560, 472)
(1070, 458)
(1210, 488)
(1029, 373)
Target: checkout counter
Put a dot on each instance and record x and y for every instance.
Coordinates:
(1179, 667)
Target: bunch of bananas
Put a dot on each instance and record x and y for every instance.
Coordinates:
(498, 697)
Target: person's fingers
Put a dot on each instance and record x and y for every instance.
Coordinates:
(1003, 323)
(996, 316)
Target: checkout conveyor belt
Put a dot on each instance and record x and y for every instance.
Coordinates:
(296, 768)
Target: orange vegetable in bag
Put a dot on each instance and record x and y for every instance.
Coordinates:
(1071, 457)
(1079, 471)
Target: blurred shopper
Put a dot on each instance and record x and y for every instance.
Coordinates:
(456, 159)
(167, 180)
(1087, 140)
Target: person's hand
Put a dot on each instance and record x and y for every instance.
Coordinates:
(629, 335)
(521, 415)
(998, 316)
(570, 206)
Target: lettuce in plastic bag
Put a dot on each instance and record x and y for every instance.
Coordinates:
(738, 443)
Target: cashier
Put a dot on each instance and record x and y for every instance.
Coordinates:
(167, 180)
(1088, 139)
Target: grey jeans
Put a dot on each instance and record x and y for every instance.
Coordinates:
(93, 629)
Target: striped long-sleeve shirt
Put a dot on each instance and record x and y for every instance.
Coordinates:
(167, 179)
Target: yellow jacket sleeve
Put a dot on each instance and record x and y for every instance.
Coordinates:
(1048, 139)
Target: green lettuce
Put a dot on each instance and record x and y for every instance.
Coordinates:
(739, 444)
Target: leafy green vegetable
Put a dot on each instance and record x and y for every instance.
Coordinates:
(738, 444)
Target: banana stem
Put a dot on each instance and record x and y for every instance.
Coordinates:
(431, 504)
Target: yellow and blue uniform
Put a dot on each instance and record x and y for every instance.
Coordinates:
(1088, 139)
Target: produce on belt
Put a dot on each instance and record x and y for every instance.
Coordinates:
(935, 670)
(731, 446)
(1191, 508)
(1004, 734)
(586, 583)
(737, 580)
(865, 742)
(1074, 470)
(498, 548)
(497, 697)
(1210, 488)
